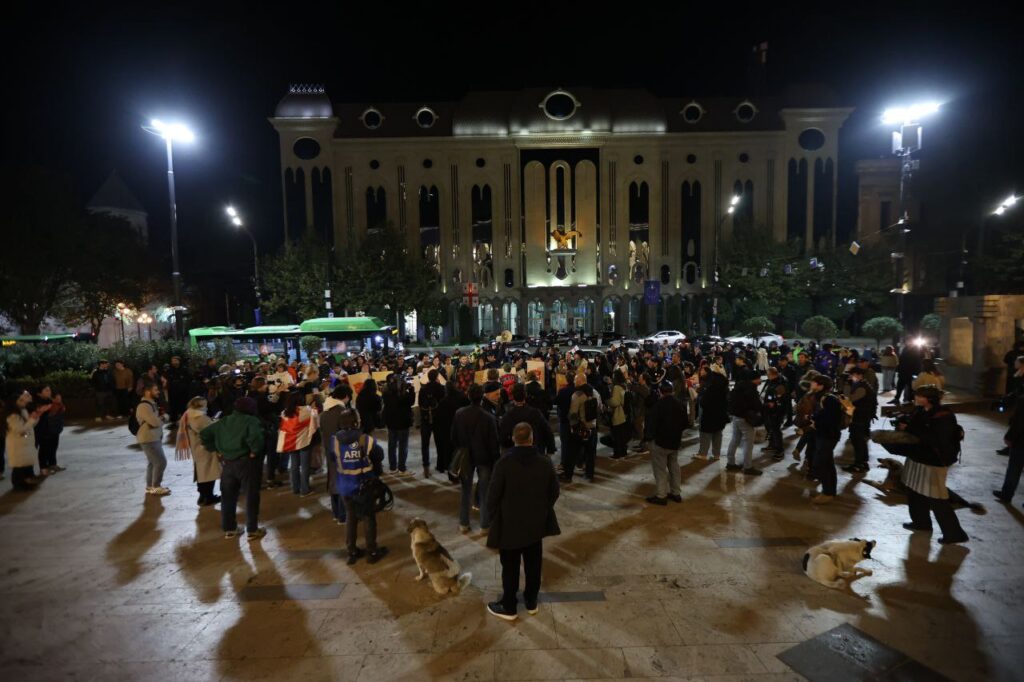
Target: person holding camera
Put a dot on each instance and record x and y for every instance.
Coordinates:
(928, 464)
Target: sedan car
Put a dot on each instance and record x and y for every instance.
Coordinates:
(669, 337)
(757, 340)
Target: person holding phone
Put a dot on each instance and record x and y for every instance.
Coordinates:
(20, 440)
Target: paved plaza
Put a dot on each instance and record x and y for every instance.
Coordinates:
(102, 583)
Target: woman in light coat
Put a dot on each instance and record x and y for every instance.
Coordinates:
(20, 441)
(206, 467)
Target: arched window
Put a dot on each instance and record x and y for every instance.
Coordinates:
(535, 312)
(796, 202)
(608, 312)
(376, 208)
(559, 316)
(510, 316)
(690, 230)
(323, 204)
(430, 226)
(485, 321)
(823, 173)
(295, 200)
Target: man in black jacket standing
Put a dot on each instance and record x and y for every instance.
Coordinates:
(476, 429)
(828, 425)
(1014, 440)
(518, 411)
(430, 397)
(521, 501)
(667, 420)
(103, 387)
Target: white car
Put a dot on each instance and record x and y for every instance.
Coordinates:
(630, 347)
(668, 337)
(766, 339)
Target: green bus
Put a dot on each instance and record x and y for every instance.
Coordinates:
(340, 334)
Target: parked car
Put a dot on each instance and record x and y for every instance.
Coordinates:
(757, 339)
(630, 347)
(669, 337)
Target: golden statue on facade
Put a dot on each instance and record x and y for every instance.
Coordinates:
(562, 238)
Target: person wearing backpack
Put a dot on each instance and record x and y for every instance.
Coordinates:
(357, 460)
(584, 409)
(430, 397)
(828, 423)
(148, 429)
(621, 403)
(928, 464)
(865, 403)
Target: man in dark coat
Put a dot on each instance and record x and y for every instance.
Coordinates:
(518, 411)
(443, 417)
(713, 400)
(667, 420)
(907, 368)
(521, 502)
(476, 429)
(430, 396)
(177, 388)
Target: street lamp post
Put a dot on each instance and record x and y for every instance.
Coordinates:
(1003, 207)
(237, 221)
(715, 272)
(144, 319)
(121, 308)
(905, 141)
(173, 132)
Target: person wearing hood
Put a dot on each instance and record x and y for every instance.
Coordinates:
(338, 414)
(238, 441)
(189, 445)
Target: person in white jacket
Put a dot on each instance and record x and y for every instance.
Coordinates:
(20, 441)
(150, 437)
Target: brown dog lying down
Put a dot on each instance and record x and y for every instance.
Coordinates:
(434, 561)
(894, 484)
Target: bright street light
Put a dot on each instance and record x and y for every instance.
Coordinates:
(230, 210)
(237, 221)
(909, 114)
(177, 132)
(1007, 204)
(735, 200)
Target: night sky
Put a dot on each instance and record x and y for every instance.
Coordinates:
(82, 79)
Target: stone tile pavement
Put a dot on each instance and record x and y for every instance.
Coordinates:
(99, 583)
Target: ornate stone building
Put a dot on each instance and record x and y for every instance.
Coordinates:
(560, 204)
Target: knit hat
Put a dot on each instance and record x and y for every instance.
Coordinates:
(246, 406)
(930, 391)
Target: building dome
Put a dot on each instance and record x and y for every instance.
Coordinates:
(304, 101)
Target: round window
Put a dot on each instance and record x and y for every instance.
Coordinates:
(425, 117)
(692, 112)
(638, 159)
(811, 139)
(480, 163)
(744, 157)
(375, 164)
(691, 158)
(559, 105)
(306, 148)
(427, 163)
(745, 112)
(372, 118)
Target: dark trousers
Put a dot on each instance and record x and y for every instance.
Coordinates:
(425, 430)
(531, 557)
(206, 491)
(773, 425)
(904, 384)
(824, 464)
(48, 451)
(859, 440)
(1013, 470)
(236, 475)
(105, 404)
(565, 438)
(20, 476)
(443, 440)
(352, 527)
(338, 507)
(620, 438)
(921, 509)
(122, 397)
(580, 450)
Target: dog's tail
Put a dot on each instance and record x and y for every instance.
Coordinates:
(464, 581)
(807, 558)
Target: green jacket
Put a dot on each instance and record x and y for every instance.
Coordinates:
(234, 436)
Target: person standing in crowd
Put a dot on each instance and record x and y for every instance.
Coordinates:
(929, 376)
(667, 420)
(888, 362)
(865, 404)
(189, 445)
(1012, 366)
(281, 380)
(907, 367)
(124, 382)
(238, 441)
(269, 415)
(443, 418)
(563, 399)
(521, 500)
(518, 411)
(827, 422)
(713, 403)
(103, 387)
(870, 378)
(20, 440)
(475, 429)
(641, 400)
(369, 406)
(48, 430)
(776, 397)
(430, 397)
(294, 439)
(536, 396)
(584, 410)
(398, 400)
(928, 465)
(787, 372)
(620, 401)
(1014, 441)
(178, 384)
(357, 457)
(338, 414)
(149, 437)
(746, 411)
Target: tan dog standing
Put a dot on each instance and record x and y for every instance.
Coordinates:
(434, 561)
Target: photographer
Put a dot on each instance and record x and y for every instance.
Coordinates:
(928, 464)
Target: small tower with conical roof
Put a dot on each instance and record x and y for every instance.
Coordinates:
(115, 198)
